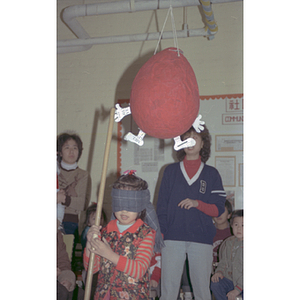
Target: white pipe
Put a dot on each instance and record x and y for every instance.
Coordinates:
(131, 38)
(70, 13)
(85, 42)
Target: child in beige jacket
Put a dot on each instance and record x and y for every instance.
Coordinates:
(227, 282)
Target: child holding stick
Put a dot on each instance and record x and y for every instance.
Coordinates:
(124, 248)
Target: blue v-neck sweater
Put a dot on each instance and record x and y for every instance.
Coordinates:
(189, 225)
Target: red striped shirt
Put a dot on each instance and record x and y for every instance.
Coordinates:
(137, 267)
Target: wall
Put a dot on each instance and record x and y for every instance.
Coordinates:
(90, 83)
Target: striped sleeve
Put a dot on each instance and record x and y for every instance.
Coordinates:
(86, 260)
(137, 267)
(217, 193)
(220, 193)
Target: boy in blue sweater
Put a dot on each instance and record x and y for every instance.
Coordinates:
(191, 193)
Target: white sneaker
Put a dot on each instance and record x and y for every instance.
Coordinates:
(188, 296)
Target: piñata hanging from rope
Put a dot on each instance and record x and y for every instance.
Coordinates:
(164, 100)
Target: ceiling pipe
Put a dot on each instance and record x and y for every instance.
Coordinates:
(132, 38)
(85, 42)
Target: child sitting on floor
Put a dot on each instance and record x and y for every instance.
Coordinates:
(227, 282)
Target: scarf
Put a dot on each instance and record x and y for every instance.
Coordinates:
(136, 201)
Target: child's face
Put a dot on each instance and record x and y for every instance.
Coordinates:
(223, 219)
(195, 150)
(69, 152)
(92, 219)
(238, 228)
(126, 217)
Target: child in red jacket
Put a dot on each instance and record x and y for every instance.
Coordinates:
(124, 248)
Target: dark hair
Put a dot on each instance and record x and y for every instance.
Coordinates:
(235, 214)
(142, 215)
(63, 138)
(229, 206)
(132, 183)
(90, 210)
(205, 151)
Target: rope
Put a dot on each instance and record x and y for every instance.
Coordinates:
(170, 10)
(174, 32)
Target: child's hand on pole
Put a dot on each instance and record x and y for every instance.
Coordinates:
(93, 233)
(102, 248)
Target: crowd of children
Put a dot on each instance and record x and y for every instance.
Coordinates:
(141, 252)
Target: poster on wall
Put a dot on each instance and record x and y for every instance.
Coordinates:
(226, 167)
(228, 143)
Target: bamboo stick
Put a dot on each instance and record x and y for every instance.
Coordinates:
(88, 284)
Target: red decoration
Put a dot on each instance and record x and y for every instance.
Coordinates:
(164, 98)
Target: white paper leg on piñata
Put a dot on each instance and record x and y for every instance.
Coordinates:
(179, 144)
(198, 124)
(190, 142)
(120, 113)
(137, 139)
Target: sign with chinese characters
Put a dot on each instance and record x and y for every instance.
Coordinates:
(234, 111)
(234, 105)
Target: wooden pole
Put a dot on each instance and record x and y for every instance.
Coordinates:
(88, 284)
